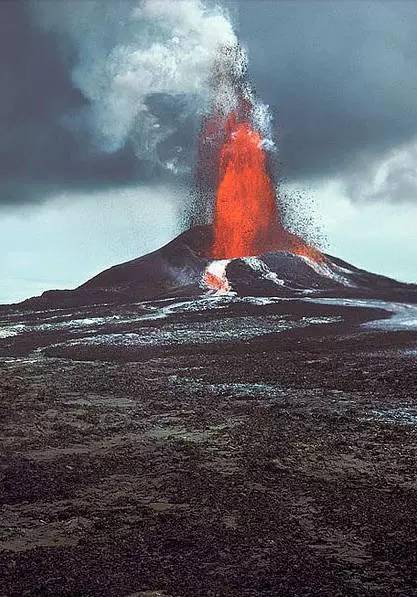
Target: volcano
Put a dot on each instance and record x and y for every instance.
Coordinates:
(231, 414)
(246, 248)
(184, 268)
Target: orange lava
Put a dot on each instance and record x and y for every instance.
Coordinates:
(246, 217)
(215, 283)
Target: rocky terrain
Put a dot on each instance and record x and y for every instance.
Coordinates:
(214, 446)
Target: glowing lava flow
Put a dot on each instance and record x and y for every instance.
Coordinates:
(215, 279)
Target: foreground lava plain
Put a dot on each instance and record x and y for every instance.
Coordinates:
(245, 448)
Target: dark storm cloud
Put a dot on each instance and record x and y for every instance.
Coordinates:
(84, 102)
(41, 150)
(340, 77)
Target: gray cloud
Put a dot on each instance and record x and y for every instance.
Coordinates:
(390, 179)
(340, 77)
(46, 143)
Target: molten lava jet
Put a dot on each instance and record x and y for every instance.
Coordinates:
(246, 216)
(246, 219)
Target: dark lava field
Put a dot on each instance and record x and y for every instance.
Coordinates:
(218, 446)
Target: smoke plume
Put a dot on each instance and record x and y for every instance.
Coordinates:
(146, 69)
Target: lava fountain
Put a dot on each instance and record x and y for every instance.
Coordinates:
(246, 216)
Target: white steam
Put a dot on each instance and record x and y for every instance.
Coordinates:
(173, 54)
(131, 51)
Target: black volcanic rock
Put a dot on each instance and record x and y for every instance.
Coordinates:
(179, 264)
(174, 269)
(286, 274)
(177, 269)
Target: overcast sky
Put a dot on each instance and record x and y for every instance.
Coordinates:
(100, 107)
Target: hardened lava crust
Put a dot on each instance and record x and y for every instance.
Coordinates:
(209, 445)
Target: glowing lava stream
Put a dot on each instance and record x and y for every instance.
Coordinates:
(214, 278)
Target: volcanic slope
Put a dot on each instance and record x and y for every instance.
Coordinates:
(180, 267)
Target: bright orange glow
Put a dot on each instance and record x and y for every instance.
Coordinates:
(215, 283)
(246, 217)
